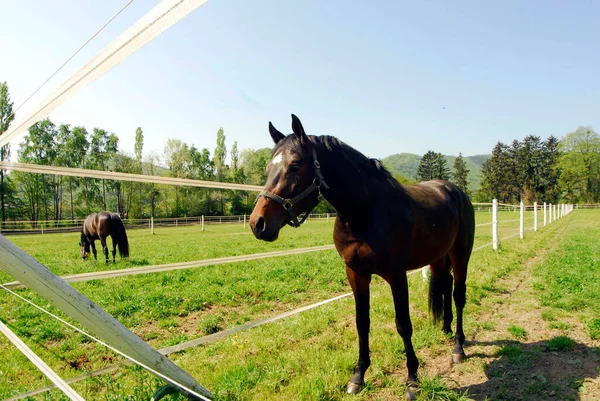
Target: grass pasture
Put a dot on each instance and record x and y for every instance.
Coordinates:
(310, 356)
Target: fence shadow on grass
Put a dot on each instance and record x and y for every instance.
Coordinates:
(555, 369)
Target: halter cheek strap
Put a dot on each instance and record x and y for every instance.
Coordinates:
(288, 204)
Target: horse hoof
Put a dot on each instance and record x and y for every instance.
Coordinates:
(411, 391)
(458, 358)
(353, 388)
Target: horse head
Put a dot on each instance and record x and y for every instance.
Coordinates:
(293, 183)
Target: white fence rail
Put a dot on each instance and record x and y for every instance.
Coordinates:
(62, 226)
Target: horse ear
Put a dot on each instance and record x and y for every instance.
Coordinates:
(298, 129)
(276, 135)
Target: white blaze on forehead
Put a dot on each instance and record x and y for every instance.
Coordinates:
(277, 159)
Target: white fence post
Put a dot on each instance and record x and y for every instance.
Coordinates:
(544, 214)
(550, 213)
(553, 212)
(328, 217)
(244, 221)
(152, 224)
(535, 208)
(495, 224)
(202, 222)
(521, 219)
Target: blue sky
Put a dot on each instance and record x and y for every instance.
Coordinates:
(384, 76)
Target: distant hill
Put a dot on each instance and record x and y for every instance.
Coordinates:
(408, 163)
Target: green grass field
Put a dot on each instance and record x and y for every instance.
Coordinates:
(309, 356)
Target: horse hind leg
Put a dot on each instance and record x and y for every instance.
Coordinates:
(440, 293)
(114, 250)
(93, 245)
(104, 248)
(459, 268)
(447, 292)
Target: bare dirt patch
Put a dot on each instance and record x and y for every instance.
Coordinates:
(510, 353)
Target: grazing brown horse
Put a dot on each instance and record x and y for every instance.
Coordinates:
(382, 227)
(100, 226)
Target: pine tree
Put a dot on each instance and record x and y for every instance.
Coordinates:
(433, 167)
(460, 173)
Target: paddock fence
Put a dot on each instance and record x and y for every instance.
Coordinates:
(27, 227)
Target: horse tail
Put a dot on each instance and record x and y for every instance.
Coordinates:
(438, 287)
(122, 241)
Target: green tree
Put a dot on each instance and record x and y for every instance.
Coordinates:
(177, 157)
(236, 174)
(202, 166)
(580, 165)
(96, 160)
(74, 149)
(254, 163)
(219, 156)
(494, 170)
(39, 147)
(153, 193)
(6, 117)
(433, 167)
(549, 189)
(460, 173)
(123, 191)
(138, 148)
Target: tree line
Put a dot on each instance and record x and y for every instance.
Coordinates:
(29, 196)
(433, 166)
(529, 170)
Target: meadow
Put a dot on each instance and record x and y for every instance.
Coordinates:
(311, 355)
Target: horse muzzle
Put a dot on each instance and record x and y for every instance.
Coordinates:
(261, 230)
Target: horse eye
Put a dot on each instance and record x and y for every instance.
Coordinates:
(293, 168)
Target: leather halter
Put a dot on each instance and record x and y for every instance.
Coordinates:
(288, 204)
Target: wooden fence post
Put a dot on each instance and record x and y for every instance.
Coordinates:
(202, 222)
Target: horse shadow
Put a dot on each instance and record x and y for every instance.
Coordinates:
(555, 369)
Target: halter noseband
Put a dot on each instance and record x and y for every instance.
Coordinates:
(288, 204)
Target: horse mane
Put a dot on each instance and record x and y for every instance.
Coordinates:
(366, 167)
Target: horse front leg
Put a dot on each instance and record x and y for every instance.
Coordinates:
(399, 286)
(360, 288)
(104, 248)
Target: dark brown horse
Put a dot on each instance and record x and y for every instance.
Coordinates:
(382, 227)
(100, 226)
